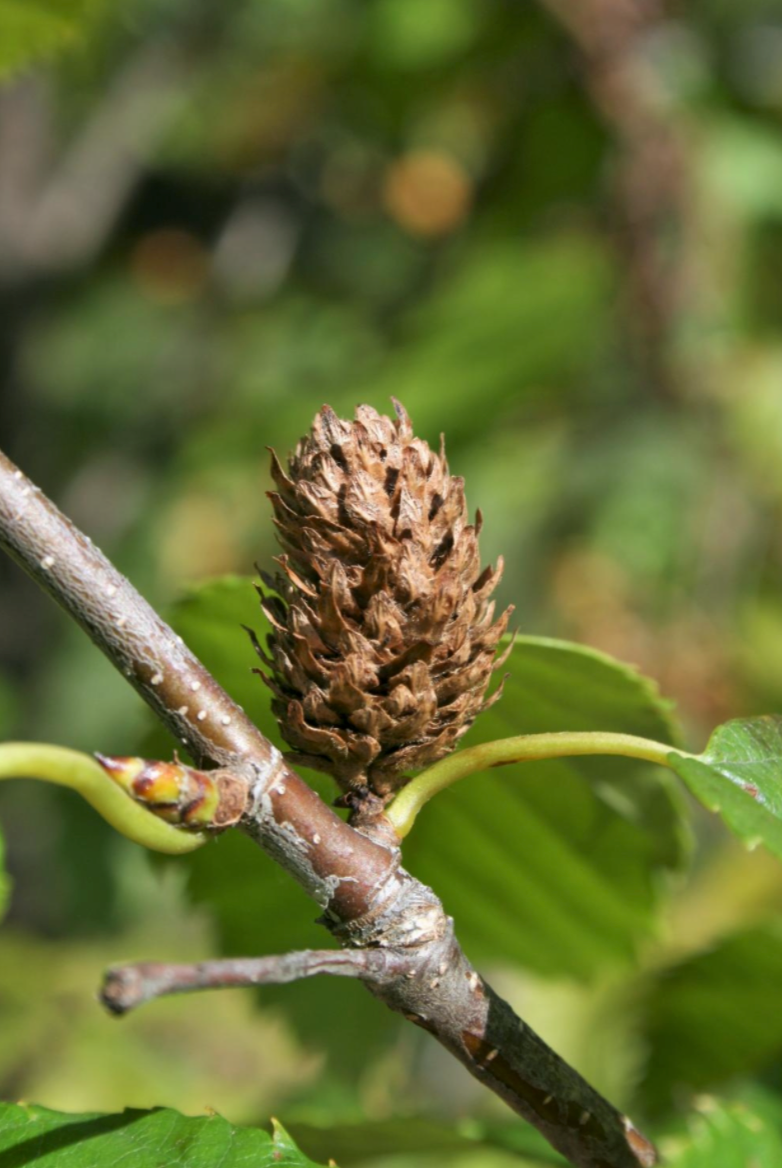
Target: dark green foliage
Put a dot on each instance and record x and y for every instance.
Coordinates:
(715, 1016)
(556, 865)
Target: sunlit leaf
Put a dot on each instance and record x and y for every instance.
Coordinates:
(739, 775)
(31, 30)
(146, 1139)
(742, 1134)
(409, 35)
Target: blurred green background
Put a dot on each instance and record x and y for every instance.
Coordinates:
(553, 230)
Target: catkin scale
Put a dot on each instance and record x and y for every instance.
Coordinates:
(383, 636)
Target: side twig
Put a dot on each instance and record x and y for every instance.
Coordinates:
(407, 953)
(128, 986)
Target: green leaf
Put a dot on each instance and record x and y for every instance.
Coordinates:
(406, 35)
(146, 1139)
(556, 865)
(739, 775)
(413, 1137)
(741, 1134)
(32, 30)
(357, 1143)
(553, 865)
(562, 287)
(714, 1016)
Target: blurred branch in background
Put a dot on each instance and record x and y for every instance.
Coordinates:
(58, 208)
(617, 41)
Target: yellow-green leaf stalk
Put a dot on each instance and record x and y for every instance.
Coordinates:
(403, 810)
(112, 796)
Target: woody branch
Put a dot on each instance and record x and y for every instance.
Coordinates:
(399, 941)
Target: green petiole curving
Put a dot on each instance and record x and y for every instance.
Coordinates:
(81, 772)
(405, 807)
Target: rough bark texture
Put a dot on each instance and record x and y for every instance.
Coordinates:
(406, 952)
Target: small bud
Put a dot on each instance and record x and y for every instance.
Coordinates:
(176, 793)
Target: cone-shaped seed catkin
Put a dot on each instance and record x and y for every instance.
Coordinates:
(383, 643)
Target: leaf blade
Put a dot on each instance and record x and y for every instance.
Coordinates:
(739, 776)
(698, 1028)
(594, 834)
(743, 1133)
(146, 1139)
(36, 30)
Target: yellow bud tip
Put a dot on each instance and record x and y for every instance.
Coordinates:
(176, 793)
(202, 809)
(161, 782)
(124, 771)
